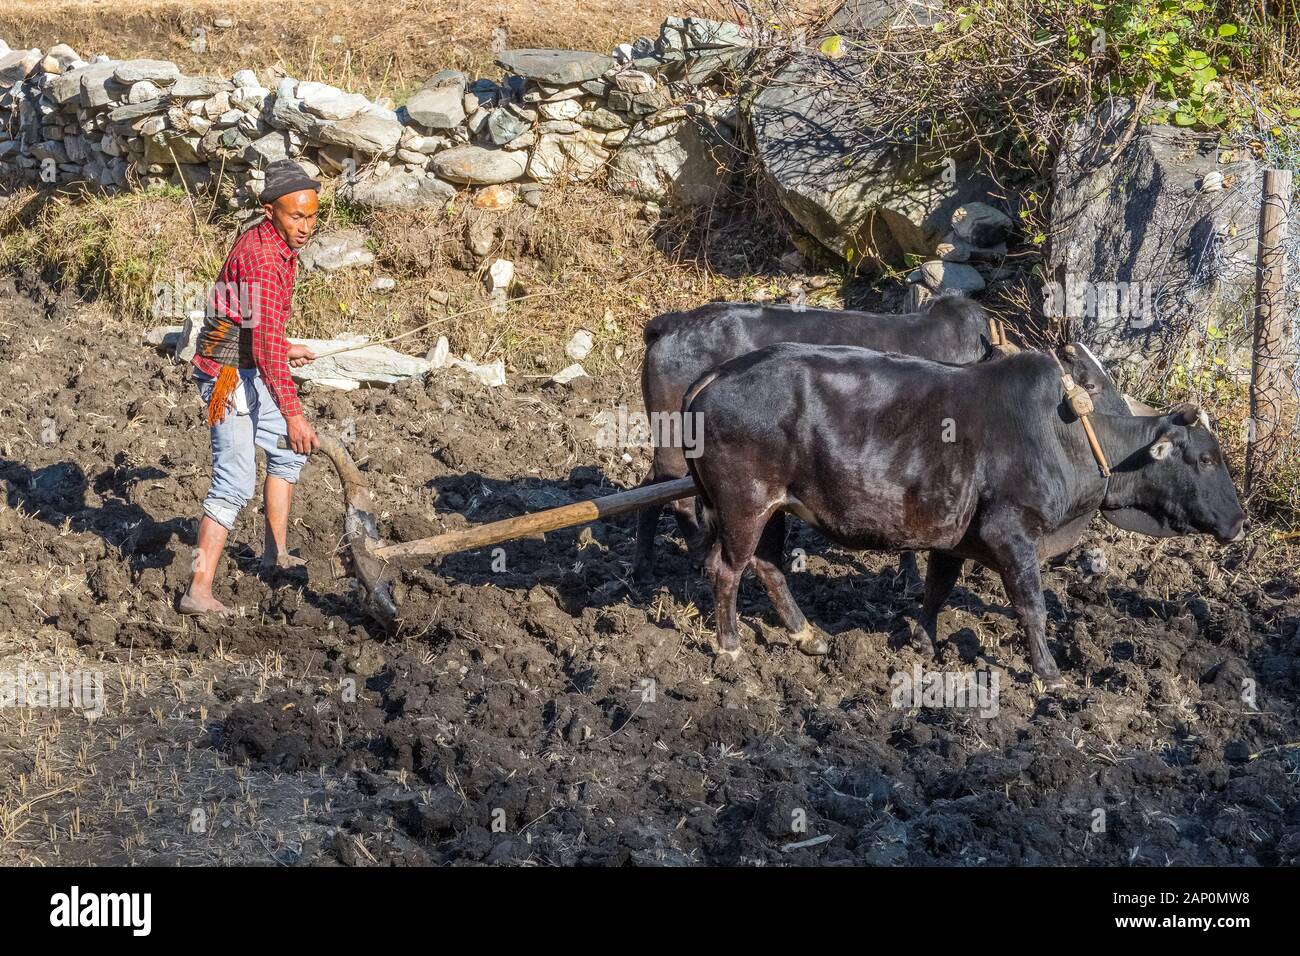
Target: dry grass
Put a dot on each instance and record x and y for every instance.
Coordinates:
(118, 249)
(583, 260)
(378, 48)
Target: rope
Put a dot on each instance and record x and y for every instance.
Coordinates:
(421, 328)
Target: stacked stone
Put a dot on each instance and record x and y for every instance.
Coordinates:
(557, 115)
(979, 235)
(557, 88)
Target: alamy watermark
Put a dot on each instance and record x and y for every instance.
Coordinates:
(68, 690)
(1080, 298)
(961, 690)
(178, 299)
(623, 429)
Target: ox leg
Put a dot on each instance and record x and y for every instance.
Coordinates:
(687, 526)
(1024, 586)
(908, 571)
(766, 563)
(647, 521)
(738, 535)
(942, 572)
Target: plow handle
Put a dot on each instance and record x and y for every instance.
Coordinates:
(538, 522)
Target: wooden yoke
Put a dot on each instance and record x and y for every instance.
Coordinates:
(1081, 404)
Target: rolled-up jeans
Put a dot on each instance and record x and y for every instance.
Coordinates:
(234, 442)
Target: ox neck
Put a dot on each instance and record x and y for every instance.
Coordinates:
(1125, 440)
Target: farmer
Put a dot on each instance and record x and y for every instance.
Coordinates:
(241, 366)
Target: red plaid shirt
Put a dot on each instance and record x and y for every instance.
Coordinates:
(255, 290)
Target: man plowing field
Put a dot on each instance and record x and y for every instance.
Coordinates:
(241, 366)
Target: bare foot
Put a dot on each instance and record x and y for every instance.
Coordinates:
(283, 561)
(189, 604)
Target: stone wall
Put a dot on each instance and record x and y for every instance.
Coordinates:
(656, 114)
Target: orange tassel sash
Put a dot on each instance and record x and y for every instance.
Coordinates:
(224, 388)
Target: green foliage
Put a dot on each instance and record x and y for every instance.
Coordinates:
(1179, 49)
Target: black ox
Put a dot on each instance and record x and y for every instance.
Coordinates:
(682, 346)
(885, 452)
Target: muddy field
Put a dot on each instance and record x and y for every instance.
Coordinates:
(542, 709)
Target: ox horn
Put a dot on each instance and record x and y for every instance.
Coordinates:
(1189, 413)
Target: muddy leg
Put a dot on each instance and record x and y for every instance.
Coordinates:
(942, 571)
(726, 581)
(766, 563)
(647, 520)
(1024, 587)
(647, 523)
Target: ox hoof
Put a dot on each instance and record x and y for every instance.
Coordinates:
(811, 643)
(1052, 681)
(733, 653)
(921, 642)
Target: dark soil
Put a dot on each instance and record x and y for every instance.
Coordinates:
(546, 710)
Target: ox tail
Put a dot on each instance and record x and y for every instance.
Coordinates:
(705, 515)
(705, 518)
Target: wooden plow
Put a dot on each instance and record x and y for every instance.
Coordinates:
(371, 561)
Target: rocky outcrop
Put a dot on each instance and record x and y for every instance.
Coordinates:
(1151, 240)
(862, 195)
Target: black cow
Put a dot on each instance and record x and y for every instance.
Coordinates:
(682, 346)
(885, 452)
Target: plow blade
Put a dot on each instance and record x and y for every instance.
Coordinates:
(361, 535)
(369, 559)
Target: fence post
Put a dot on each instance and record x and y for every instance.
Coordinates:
(1271, 392)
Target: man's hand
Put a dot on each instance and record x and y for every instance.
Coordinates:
(300, 355)
(302, 437)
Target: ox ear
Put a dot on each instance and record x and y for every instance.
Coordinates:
(1188, 414)
(1168, 438)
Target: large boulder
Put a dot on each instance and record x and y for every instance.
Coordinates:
(66, 87)
(265, 150)
(372, 133)
(287, 111)
(857, 17)
(862, 195)
(372, 365)
(681, 162)
(559, 157)
(161, 72)
(330, 252)
(329, 102)
(15, 65)
(98, 87)
(438, 105)
(1151, 243)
